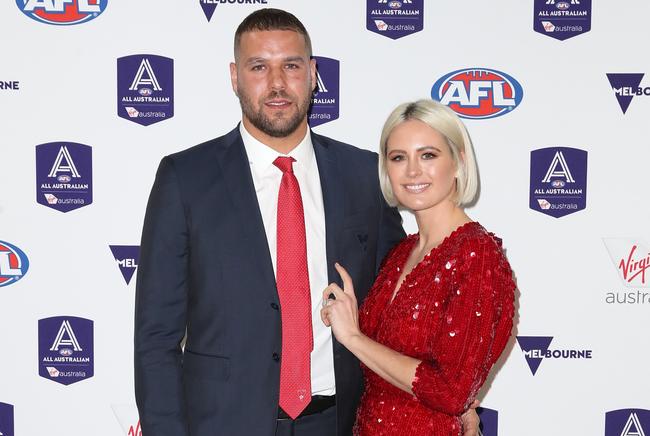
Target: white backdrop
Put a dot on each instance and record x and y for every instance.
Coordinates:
(67, 92)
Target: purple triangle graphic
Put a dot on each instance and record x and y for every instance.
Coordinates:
(127, 258)
(620, 81)
(534, 343)
(208, 8)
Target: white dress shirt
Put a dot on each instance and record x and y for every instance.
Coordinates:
(266, 179)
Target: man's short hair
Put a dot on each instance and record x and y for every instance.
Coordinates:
(444, 120)
(271, 19)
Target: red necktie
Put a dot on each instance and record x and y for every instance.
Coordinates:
(292, 281)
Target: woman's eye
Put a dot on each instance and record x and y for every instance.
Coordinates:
(397, 158)
(429, 156)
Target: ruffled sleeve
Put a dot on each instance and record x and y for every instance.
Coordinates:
(474, 330)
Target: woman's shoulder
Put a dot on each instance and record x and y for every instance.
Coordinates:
(478, 243)
(474, 234)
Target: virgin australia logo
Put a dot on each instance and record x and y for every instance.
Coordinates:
(631, 259)
(127, 415)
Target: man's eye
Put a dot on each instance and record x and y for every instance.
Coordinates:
(257, 67)
(292, 66)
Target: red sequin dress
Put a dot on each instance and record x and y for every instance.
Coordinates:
(454, 312)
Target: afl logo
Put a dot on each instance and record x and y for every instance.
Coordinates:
(13, 264)
(62, 12)
(558, 183)
(478, 93)
(563, 6)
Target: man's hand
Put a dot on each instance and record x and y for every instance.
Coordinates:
(471, 420)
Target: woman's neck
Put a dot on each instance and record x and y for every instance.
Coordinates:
(436, 223)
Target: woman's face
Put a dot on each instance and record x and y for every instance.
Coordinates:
(420, 166)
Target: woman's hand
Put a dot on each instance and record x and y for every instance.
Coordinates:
(342, 313)
(471, 421)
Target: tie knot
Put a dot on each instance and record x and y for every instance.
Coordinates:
(285, 163)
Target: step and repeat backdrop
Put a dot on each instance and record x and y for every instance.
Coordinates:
(555, 94)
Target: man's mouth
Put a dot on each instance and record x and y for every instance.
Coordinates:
(278, 103)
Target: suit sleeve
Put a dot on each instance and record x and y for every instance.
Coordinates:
(473, 333)
(160, 308)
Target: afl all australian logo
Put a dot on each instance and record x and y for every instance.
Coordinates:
(478, 93)
(62, 12)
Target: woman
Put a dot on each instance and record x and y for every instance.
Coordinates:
(440, 312)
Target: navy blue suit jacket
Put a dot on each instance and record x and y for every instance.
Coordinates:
(205, 273)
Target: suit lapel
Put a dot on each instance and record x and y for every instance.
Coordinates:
(236, 171)
(332, 186)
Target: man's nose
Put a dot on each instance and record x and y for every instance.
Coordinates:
(277, 79)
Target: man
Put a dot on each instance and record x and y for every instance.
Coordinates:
(240, 238)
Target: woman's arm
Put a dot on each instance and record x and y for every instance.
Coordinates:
(475, 336)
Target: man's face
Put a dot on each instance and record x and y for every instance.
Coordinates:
(273, 78)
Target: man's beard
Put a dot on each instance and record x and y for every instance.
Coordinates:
(278, 127)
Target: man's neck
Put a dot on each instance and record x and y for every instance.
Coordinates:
(282, 145)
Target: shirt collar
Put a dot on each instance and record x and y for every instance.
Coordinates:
(261, 156)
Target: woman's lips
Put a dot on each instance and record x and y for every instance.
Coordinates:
(416, 188)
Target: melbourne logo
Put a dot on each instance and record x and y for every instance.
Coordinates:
(126, 257)
(627, 422)
(325, 100)
(558, 180)
(478, 93)
(536, 349)
(127, 416)
(13, 264)
(489, 425)
(62, 12)
(64, 176)
(562, 19)
(145, 88)
(209, 6)
(394, 19)
(6, 419)
(11, 85)
(65, 349)
(626, 86)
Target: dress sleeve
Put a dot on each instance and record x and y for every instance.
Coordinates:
(474, 330)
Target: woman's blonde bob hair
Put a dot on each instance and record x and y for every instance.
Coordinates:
(444, 120)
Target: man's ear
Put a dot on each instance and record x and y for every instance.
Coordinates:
(313, 73)
(233, 77)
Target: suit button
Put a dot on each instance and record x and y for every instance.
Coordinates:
(276, 357)
(275, 306)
